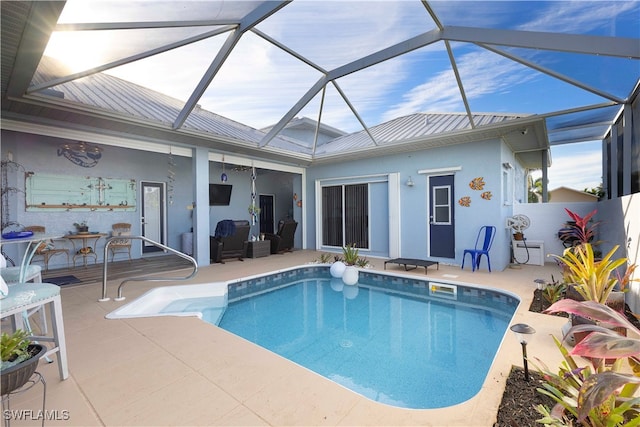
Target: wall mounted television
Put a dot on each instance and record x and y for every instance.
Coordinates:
(219, 194)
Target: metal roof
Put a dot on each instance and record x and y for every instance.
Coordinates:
(329, 69)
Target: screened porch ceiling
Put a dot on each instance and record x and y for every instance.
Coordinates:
(562, 69)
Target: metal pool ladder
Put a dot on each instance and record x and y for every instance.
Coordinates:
(142, 278)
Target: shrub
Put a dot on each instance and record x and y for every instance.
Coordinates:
(602, 394)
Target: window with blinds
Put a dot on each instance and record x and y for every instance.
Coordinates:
(345, 215)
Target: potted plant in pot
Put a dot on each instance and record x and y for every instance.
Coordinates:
(351, 257)
(81, 227)
(20, 359)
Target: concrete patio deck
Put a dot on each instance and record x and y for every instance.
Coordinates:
(172, 371)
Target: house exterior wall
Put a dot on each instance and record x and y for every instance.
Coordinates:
(568, 195)
(480, 159)
(39, 154)
(620, 226)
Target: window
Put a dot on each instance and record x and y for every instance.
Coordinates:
(345, 215)
(441, 205)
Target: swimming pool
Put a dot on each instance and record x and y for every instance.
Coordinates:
(398, 340)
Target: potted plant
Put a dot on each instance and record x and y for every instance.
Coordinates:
(254, 210)
(81, 227)
(20, 359)
(350, 256)
(603, 392)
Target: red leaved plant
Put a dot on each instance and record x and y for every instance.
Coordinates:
(603, 394)
(580, 232)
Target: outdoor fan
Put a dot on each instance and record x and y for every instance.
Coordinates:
(519, 223)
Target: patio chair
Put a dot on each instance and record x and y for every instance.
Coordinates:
(11, 275)
(46, 250)
(482, 247)
(230, 240)
(282, 241)
(120, 229)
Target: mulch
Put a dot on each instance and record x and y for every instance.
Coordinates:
(520, 397)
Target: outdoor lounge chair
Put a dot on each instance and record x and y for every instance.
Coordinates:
(283, 240)
(229, 241)
(485, 237)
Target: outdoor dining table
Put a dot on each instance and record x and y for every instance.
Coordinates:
(33, 242)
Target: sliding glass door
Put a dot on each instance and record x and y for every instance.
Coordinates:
(345, 215)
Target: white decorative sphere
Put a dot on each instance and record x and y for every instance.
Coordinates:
(337, 269)
(337, 284)
(350, 275)
(350, 292)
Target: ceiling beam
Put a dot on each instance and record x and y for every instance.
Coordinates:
(106, 26)
(422, 40)
(313, 91)
(35, 37)
(573, 43)
(256, 16)
(553, 74)
(128, 59)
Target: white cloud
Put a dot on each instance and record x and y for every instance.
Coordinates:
(576, 166)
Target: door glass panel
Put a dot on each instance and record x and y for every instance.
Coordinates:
(332, 216)
(441, 205)
(152, 220)
(441, 196)
(345, 215)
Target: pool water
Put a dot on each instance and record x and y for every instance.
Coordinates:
(400, 341)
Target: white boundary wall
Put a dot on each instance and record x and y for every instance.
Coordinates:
(620, 225)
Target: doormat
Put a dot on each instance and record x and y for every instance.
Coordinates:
(62, 280)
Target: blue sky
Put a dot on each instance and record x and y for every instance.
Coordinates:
(259, 83)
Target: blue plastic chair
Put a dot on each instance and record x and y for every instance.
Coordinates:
(485, 237)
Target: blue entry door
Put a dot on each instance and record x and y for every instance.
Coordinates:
(441, 217)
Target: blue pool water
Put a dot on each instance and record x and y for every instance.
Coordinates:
(400, 341)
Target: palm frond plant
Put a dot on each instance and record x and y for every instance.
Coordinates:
(592, 278)
(554, 292)
(362, 262)
(325, 258)
(350, 254)
(603, 392)
(19, 359)
(13, 348)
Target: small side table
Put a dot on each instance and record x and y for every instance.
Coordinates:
(258, 248)
(85, 250)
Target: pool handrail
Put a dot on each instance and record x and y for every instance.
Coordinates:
(142, 278)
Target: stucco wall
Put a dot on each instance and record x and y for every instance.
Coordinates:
(39, 154)
(481, 159)
(619, 225)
